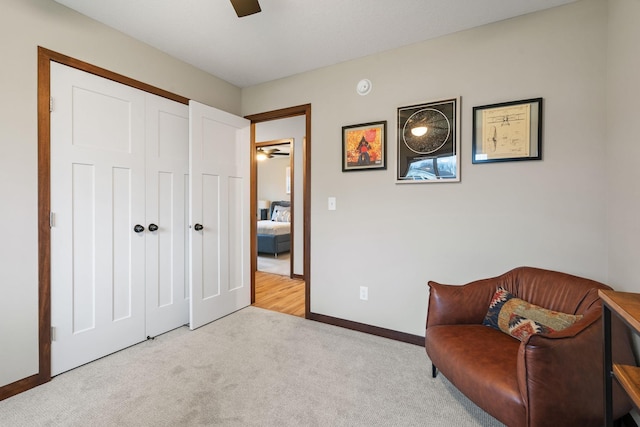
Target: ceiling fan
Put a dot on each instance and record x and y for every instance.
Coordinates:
(246, 7)
(268, 153)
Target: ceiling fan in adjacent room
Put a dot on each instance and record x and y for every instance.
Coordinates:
(269, 153)
(246, 7)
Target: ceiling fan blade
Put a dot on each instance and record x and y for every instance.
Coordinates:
(246, 7)
(268, 150)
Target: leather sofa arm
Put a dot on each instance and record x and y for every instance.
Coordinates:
(460, 304)
(560, 374)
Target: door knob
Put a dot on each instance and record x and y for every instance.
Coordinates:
(138, 228)
(198, 227)
(153, 227)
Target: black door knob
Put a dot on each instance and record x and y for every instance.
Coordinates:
(138, 228)
(153, 227)
(198, 227)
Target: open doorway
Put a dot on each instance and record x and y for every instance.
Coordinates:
(261, 126)
(274, 160)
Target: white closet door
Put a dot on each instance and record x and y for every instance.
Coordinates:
(97, 197)
(219, 153)
(167, 168)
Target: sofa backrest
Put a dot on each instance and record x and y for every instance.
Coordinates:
(553, 290)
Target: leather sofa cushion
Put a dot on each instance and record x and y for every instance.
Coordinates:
(469, 355)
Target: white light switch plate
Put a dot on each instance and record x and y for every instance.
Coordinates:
(332, 203)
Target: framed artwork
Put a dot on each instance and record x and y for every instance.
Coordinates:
(364, 146)
(507, 132)
(429, 142)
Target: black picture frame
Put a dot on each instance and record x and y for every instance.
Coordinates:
(364, 146)
(507, 131)
(428, 146)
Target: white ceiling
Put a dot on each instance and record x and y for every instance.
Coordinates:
(292, 36)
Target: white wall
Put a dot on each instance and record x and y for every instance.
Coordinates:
(623, 144)
(394, 238)
(271, 179)
(25, 25)
(623, 149)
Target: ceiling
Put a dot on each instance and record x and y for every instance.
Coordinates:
(292, 36)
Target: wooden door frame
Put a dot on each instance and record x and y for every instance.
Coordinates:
(45, 56)
(285, 113)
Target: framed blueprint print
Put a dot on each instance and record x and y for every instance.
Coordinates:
(508, 131)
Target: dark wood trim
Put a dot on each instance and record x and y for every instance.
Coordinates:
(110, 75)
(253, 208)
(275, 142)
(21, 385)
(45, 56)
(368, 329)
(44, 207)
(282, 113)
(306, 178)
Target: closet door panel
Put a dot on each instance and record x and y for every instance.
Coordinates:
(219, 150)
(97, 197)
(167, 166)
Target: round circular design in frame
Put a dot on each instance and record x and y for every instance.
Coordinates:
(426, 131)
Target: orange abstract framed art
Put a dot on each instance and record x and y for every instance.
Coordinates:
(364, 146)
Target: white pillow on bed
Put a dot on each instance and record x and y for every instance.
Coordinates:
(281, 214)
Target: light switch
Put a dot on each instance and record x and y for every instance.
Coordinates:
(332, 203)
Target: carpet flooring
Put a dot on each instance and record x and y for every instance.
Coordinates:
(280, 264)
(252, 368)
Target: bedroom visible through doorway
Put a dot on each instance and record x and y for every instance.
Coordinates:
(289, 124)
(275, 212)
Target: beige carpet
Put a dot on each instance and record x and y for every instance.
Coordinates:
(252, 368)
(280, 264)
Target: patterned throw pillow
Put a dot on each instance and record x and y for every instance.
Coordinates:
(520, 319)
(281, 214)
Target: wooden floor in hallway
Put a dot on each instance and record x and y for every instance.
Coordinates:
(280, 293)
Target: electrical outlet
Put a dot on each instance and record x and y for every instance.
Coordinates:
(364, 293)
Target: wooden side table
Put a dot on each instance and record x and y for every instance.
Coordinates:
(626, 306)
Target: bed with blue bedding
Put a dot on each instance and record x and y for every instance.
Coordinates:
(274, 234)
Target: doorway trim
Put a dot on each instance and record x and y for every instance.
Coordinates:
(285, 113)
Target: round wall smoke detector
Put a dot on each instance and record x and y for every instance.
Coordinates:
(363, 87)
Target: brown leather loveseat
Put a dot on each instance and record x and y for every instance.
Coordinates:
(553, 379)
